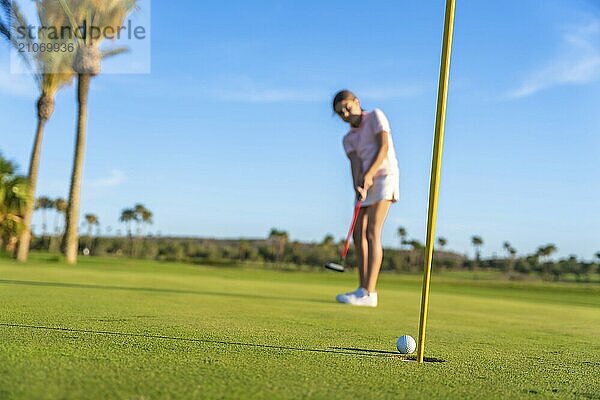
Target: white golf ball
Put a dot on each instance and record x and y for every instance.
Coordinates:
(406, 344)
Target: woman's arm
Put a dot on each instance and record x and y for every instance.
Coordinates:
(356, 167)
(383, 142)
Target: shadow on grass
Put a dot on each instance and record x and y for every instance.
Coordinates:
(159, 290)
(334, 350)
(403, 357)
(395, 353)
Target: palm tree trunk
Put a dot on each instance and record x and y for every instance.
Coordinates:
(34, 165)
(44, 225)
(130, 238)
(12, 243)
(71, 234)
(54, 236)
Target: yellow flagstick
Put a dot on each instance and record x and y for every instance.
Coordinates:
(436, 167)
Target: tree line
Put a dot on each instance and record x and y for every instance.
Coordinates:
(276, 250)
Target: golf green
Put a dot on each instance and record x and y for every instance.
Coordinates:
(118, 328)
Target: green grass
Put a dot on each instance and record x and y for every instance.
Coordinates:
(143, 330)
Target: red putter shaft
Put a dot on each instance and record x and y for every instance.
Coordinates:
(347, 244)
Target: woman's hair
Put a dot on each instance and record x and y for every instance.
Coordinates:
(341, 96)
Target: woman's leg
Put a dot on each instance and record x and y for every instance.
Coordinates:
(376, 215)
(361, 245)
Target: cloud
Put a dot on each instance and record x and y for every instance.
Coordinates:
(116, 178)
(578, 62)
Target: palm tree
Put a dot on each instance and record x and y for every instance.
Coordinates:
(55, 228)
(402, 233)
(328, 240)
(51, 71)
(442, 242)
(147, 217)
(60, 208)
(415, 244)
(279, 238)
(546, 251)
(91, 221)
(511, 252)
(477, 242)
(506, 246)
(138, 209)
(144, 217)
(14, 198)
(128, 216)
(87, 64)
(415, 257)
(551, 249)
(60, 205)
(44, 203)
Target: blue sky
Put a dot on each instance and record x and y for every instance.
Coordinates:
(232, 132)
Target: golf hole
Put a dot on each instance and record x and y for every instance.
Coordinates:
(426, 360)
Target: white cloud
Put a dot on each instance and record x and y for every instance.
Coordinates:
(578, 62)
(116, 178)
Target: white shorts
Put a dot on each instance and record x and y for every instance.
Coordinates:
(385, 187)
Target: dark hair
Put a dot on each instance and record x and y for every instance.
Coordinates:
(341, 96)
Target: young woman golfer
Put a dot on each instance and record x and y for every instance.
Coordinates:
(375, 174)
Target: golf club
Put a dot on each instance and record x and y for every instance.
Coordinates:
(340, 267)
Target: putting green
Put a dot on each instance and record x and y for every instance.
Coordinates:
(117, 328)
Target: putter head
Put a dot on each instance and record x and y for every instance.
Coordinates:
(335, 267)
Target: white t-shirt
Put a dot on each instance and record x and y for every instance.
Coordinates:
(363, 141)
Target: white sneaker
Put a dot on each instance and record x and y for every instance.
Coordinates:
(367, 300)
(360, 297)
(345, 297)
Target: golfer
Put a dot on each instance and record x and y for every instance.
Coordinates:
(376, 176)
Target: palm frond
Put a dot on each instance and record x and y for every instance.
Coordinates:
(7, 167)
(3, 31)
(114, 52)
(58, 71)
(70, 16)
(5, 20)
(16, 21)
(51, 13)
(14, 218)
(16, 195)
(113, 12)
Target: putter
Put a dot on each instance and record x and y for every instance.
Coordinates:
(340, 267)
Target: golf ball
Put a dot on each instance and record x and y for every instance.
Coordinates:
(406, 344)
